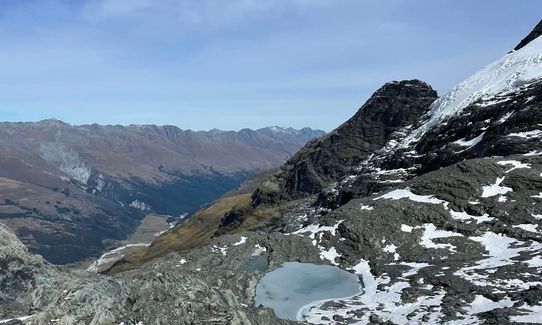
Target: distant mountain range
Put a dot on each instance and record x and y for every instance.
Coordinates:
(67, 190)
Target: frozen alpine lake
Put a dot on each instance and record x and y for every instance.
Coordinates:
(289, 289)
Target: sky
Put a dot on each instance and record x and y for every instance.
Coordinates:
(232, 64)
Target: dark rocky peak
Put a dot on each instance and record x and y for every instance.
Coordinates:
(494, 112)
(535, 33)
(323, 161)
(509, 123)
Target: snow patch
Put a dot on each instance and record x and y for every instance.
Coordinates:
(330, 255)
(527, 227)
(22, 319)
(532, 315)
(505, 117)
(431, 232)
(526, 135)
(258, 250)
(241, 241)
(495, 189)
(515, 165)
(405, 228)
(407, 194)
(465, 216)
(470, 143)
(220, 250)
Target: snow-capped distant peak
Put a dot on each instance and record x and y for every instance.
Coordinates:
(280, 129)
(508, 74)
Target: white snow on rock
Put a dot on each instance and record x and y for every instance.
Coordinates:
(498, 249)
(220, 250)
(414, 268)
(407, 194)
(532, 315)
(465, 216)
(382, 298)
(533, 153)
(527, 227)
(431, 232)
(505, 117)
(514, 163)
(495, 189)
(527, 134)
(471, 142)
(330, 255)
(22, 319)
(258, 250)
(392, 249)
(366, 207)
(479, 305)
(406, 228)
(501, 251)
(508, 74)
(536, 261)
(241, 241)
(314, 229)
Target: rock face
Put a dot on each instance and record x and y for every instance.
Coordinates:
(537, 31)
(442, 222)
(207, 286)
(396, 106)
(70, 191)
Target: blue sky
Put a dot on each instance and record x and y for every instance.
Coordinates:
(230, 64)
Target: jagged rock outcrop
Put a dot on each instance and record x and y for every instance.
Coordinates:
(394, 106)
(535, 33)
(495, 112)
(213, 285)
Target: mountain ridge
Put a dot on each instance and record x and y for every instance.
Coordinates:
(57, 180)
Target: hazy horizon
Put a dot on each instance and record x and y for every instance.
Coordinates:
(238, 64)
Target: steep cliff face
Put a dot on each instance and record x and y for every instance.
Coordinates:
(535, 33)
(394, 107)
(495, 112)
